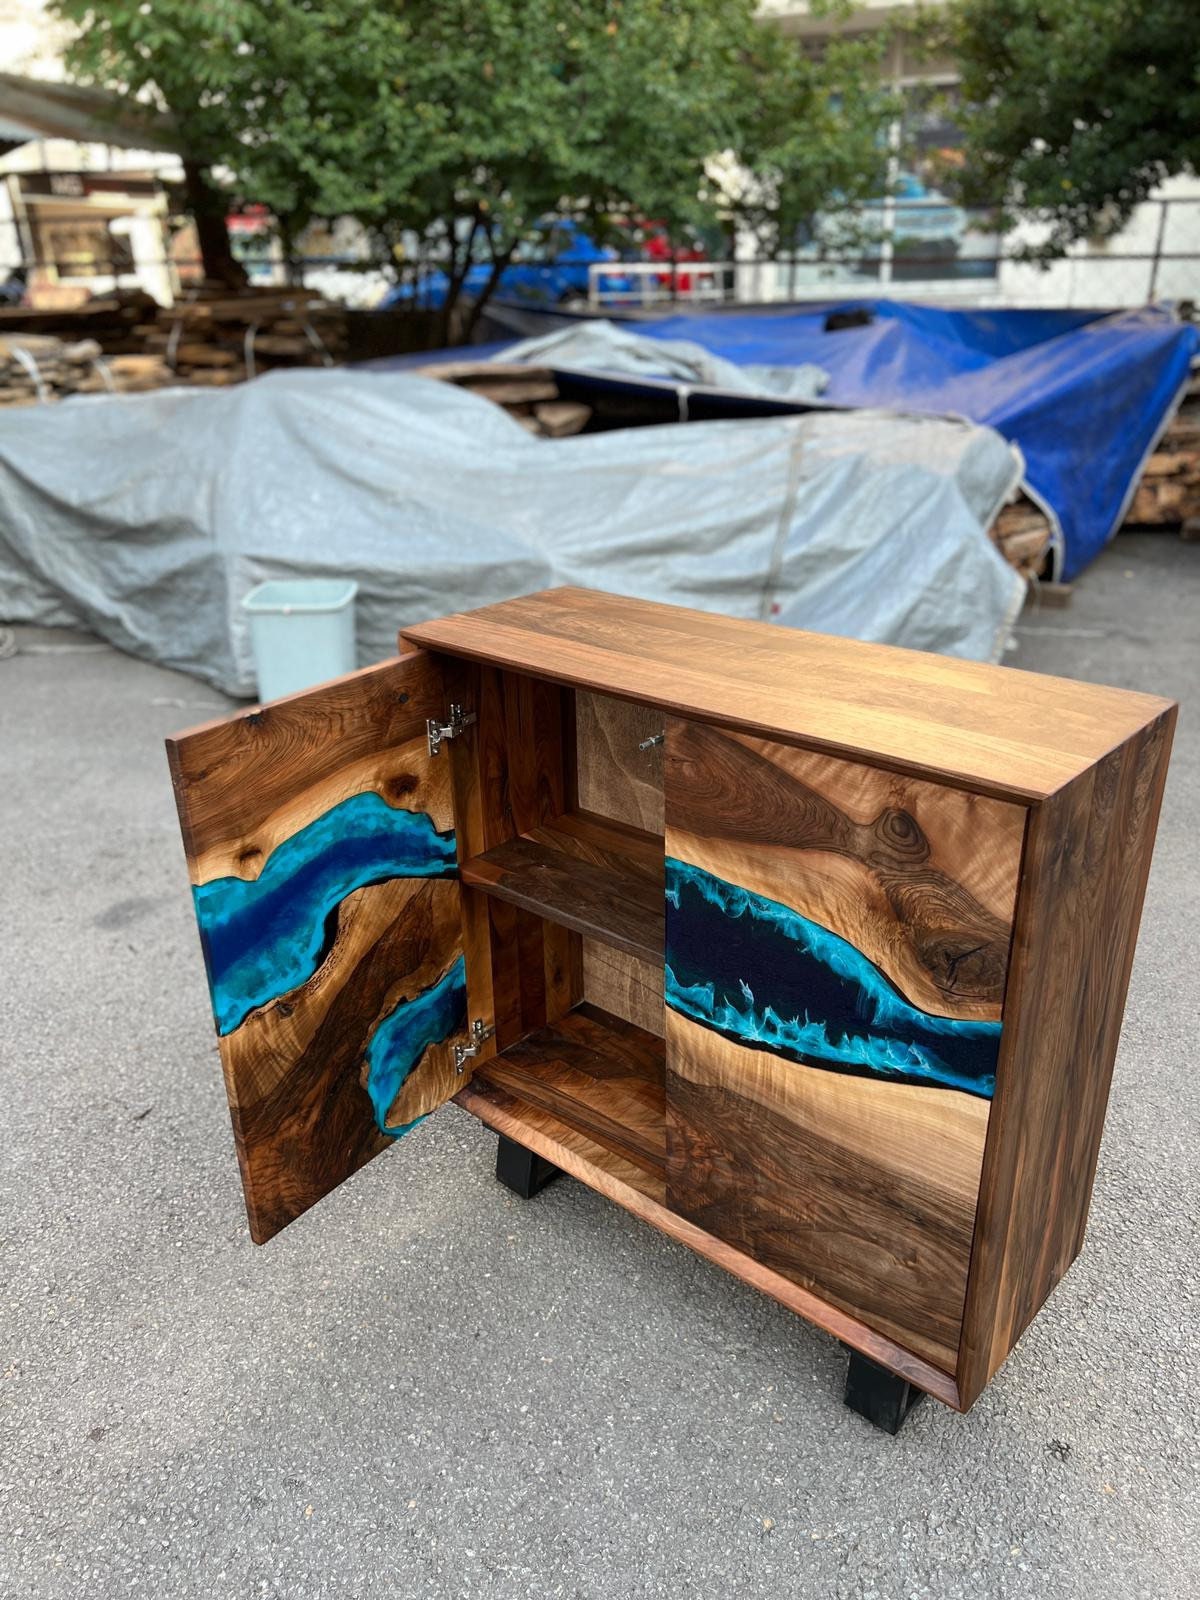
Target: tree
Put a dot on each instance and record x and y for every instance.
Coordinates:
(448, 128)
(816, 138)
(1077, 108)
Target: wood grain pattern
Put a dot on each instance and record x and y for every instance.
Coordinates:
(584, 873)
(615, 778)
(864, 1193)
(920, 878)
(599, 1075)
(622, 984)
(1083, 883)
(638, 1191)
(861, 1188)
(511, 773)
(297, 1069)
(267, 767)
(1016, 735)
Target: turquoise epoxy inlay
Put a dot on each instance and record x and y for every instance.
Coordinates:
(762, 975)
(402, 1038)
(265, 936)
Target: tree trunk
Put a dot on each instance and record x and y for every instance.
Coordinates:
(207, 207)
(477, 309)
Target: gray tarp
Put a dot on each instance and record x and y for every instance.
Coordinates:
(602, 346)
(148, 517)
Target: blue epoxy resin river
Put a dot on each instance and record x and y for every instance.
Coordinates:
(764, 976)
(265, 936)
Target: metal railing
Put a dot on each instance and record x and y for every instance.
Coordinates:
(648, 283)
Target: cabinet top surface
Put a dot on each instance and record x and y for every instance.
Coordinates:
(1018, 734)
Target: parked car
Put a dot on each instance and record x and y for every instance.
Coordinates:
(549, 269)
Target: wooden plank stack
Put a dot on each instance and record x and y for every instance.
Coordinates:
(216, 337)
(528, 394)
(1168, 495)
(1021, 532)
(213, 338)
(111, 320)
(37, 368)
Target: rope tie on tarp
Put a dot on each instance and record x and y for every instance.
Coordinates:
(34, 371)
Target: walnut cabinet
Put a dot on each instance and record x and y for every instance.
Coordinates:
(810, 953)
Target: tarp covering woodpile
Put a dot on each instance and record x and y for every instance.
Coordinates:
(148, 517)
(1084, 395)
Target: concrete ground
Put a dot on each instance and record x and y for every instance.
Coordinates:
(428, 1388)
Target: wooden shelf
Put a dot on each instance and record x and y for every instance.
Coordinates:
(600, 878)
(596, 1074)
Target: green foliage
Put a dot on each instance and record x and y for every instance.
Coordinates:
(816, 137)
(1081, 107)
(461, 122)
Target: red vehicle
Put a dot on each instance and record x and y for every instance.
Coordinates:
(650, 241)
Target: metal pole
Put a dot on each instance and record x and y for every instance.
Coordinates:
(1158, 244)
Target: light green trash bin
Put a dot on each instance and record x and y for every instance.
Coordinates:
(302, 632)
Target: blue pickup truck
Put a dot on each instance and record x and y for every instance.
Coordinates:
(550, 269)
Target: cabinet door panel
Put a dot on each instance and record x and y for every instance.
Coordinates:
(320, 844)
(837, 949)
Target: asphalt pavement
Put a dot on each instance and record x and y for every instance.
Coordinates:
(426, 1387)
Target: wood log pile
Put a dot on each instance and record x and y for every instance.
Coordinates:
(127, 343)
(1168, 495)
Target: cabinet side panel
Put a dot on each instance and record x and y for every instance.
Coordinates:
(615, 777)
(1083, 882)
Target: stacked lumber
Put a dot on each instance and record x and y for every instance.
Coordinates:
(1021, 532)
(39, 368)
(1168, 495)
(111, 320)
(528, 394)
(216, 337)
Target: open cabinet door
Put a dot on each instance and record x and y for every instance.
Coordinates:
(320, 842)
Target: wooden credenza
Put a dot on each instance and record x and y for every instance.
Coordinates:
(809, 952)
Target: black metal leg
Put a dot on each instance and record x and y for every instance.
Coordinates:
(522, 1171)
(877, 1394)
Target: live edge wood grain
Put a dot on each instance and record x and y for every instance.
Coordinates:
(922, 879)
(1017, 735)
(1083, 882)
(321, 976)
(799, 1142)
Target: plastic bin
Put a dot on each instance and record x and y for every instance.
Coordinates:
(302, 632)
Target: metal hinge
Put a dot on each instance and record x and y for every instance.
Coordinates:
(436, 731)
(464, 1052)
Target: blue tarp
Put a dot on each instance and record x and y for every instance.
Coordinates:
(1084, 394)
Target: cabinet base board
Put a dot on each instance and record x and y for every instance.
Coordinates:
(620, 1181)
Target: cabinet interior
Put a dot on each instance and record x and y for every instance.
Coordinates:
(582, 869)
